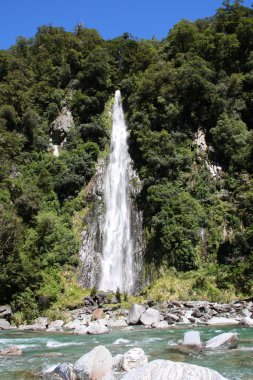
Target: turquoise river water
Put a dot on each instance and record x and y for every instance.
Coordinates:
(234, 364)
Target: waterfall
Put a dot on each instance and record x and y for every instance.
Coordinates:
(117, 260)
(110, 256)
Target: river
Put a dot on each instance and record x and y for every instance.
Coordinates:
(234, 364)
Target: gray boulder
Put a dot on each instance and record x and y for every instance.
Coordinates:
(225, 340)
(168, 370)
(247, 322)
(134, 314)
(97, 328)
(5, 312)
(63, 371)
(172, 318)
(150, 316)
(134, 358)
(95, 365)
(4, 325)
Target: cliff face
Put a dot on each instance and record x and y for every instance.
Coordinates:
(90, 253)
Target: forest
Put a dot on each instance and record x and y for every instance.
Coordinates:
(197, 202)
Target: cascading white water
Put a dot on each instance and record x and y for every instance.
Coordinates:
(117, 261)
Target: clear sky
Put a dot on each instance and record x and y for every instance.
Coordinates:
(141, 18)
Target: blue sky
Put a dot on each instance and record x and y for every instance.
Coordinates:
(141, 18)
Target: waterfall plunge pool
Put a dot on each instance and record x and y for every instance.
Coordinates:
(234, 364)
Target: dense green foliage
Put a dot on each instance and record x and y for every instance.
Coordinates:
(199, 78)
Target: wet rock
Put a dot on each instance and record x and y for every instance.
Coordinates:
(160, 325)
(172, 318)
(134, 358)
(134, 314)
(4, 325)
(216, 321)
(177, 304)
(11, 351)
(197, 313)
(247, 322)
(5, 312)
(189, 305)
(225, 340)
(166, 369)
(97, 328)
(150, 316)
(63, 371)
(94, 365)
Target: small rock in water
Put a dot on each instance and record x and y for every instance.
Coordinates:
(192, 340)
(134, 358)
(11, 351)
(227, 340)
(49, 355)
(129, 328)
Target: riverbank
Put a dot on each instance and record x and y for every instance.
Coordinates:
(98, 316)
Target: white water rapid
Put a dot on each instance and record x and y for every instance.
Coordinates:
(117, 261)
